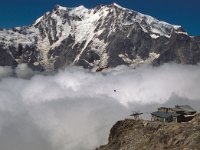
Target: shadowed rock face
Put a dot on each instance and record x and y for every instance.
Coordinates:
(107, 35)
(133, 135)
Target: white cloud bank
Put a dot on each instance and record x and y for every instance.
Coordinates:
(75, 109)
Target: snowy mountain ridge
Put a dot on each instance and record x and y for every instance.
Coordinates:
(107, 35)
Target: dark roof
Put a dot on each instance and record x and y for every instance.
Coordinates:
(177, 109)
(165, 114)
(136, 113)
(185, 108)
(164, 108)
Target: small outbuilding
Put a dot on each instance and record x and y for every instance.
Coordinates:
(136, 115)
(186, 111)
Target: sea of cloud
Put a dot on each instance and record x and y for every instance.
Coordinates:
(75, 108)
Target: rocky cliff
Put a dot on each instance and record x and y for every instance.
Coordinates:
(145, 135)
(107, 35)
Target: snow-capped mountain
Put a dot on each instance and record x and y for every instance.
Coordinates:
(107, 35)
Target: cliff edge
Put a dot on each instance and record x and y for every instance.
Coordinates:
(130, 134)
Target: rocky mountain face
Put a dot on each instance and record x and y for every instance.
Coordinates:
(142, 135)
(107, 35)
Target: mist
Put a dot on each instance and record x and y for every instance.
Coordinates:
(75, 108)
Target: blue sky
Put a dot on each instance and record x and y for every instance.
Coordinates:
(182, 12)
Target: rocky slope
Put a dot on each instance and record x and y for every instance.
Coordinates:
(145, 135)
(107, 35)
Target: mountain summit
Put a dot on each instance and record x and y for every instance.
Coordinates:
(107, 35)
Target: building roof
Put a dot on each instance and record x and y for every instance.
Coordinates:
(136, 113)
(165, 114)
(185, 108)
(177, 109)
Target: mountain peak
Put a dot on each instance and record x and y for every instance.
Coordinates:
(118, 6)
(59, 7)
(107, 35)
(80, 8)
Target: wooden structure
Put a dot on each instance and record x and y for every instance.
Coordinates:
(136, 115)
(179, 113)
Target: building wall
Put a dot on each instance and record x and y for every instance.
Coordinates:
(175, 119)
(160, 119)
(165, 109)
(186, 119)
